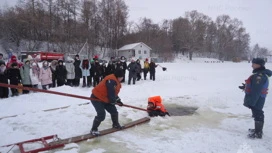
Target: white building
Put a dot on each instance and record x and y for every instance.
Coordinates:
(137, 50)
(269, 58)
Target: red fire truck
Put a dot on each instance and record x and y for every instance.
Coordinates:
(41, 55)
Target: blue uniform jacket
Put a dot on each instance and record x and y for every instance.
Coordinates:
(256, 88)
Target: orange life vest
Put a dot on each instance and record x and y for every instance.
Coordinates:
(157, 101)
(100, 91)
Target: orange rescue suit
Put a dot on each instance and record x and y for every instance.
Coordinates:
(157, 102)
(100, 91)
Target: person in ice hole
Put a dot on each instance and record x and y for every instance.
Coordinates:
(155, 107)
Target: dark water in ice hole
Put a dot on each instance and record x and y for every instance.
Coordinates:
(178, 110)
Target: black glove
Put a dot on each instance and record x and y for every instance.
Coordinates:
(119, 103)
(167, 113)
(117, 100)
(243, 86)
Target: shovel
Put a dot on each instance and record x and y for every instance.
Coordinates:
(163, 68)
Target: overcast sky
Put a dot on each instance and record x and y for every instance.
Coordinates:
(255, 14)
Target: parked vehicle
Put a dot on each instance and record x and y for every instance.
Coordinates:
(41, 56)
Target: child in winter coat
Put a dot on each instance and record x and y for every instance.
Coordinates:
(4, 91)
(34, 74)
(45, 75)
(155, 107)
(14, 78)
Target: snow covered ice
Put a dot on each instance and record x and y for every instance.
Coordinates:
(219, 124)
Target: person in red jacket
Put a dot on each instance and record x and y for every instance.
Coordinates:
(155, 107)
(13, 59)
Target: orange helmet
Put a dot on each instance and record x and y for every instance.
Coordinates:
(155, 99)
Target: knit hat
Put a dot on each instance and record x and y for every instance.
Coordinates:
(60, 61)
(258, 61)
(95, 57)
(146, 59)
(1, 54)
(13, 58)
(2, 62)
(119, 73)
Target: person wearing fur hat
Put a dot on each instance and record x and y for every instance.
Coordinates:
(14, 78)
(78, 72)
(105, 97)
(13, 59)
(4, 91)
(70, 68)
(61, 73)
(25, 75)
(45, 75)
(256, 87)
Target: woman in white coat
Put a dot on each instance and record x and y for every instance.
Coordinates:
(70, 68)
(34, 74)
(45, 75)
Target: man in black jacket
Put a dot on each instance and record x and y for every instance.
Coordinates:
(4, 92)
(78, 72)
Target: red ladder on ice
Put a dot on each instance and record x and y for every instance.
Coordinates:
(43, 140)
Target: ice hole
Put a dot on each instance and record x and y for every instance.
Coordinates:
(178, 110)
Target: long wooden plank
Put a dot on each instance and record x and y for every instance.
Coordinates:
(89, 136)
(59, 93)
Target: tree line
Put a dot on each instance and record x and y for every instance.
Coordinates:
(65, 25)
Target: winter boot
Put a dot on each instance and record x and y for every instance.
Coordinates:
(251, 130)
(94, 130)
(258, 131)
(115, 122)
